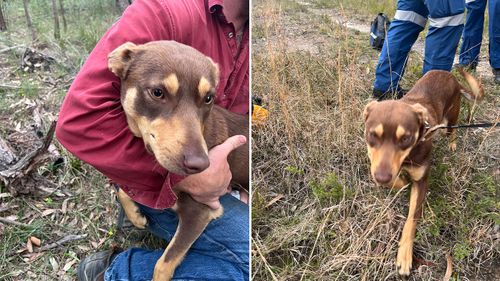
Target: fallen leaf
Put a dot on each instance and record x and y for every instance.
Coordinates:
(48, 190)
(5, 195)
(101, 241)
(83, 248)
(12, 218)
(48, 212)
(68, 265)
(33, 256)
(64, 207)
(35, 241)
(449, 268)
(54, 264)
(21, 250)
(75, 222)
(274, 200)
(29, 246)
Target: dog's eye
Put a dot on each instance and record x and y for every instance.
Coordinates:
(405, 139)
(372, 135)
(209, 98)
(372, 138)
(157, 93)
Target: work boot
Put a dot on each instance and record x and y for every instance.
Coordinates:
(92, 268)
(389, 94)
(496, 73)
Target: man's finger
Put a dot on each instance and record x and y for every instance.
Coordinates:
(229, 145)
(214, 204)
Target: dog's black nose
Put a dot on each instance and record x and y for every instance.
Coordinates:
(383, 177)
(195, 163)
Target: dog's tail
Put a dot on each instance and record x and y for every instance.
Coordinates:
(476, 92)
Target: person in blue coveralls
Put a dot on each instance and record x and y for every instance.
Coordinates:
(446, 21)
(473, 35)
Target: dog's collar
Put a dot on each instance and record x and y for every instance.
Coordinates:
(424, 131)
(429, 131)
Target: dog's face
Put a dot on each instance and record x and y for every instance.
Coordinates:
(167, 92)
(392, 129)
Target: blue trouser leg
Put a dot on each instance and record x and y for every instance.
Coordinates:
(401, 36)
(391, 64)
(440, 47)
(445, 29)
(473, 32)
(220, 253)
(494, 32)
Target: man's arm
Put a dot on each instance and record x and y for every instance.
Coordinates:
(92, 124)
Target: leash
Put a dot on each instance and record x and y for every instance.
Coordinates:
(429, 130)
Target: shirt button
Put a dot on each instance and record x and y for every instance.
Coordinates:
(230, 35)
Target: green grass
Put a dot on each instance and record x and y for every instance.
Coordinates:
(330, 191)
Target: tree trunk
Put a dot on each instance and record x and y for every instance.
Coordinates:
(3, 24)
(28, 20)
(57, 29)
(63, 15)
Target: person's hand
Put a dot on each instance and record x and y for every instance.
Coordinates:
(206, 187)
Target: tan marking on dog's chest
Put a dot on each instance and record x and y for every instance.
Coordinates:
(203, 87)
(171, 84)
(416, 172)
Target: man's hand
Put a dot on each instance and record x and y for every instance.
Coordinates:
(206, 187)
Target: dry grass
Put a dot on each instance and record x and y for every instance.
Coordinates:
(316, 215)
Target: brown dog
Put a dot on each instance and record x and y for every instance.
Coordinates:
(167, 93)
(394, 133)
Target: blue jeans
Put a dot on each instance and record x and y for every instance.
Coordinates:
(220, 253)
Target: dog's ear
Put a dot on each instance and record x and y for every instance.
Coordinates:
(216, 71)
(421, 111)
(368, 109)
(119, 60)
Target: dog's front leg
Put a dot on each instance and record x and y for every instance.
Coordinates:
(193, 219)
(405, 251)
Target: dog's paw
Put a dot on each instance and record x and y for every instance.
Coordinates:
(452, 146)
(163, 271)
(405, 258)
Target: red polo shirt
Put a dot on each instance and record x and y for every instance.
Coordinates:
(92, 124)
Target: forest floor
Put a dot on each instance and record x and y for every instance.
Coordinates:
(68, 199)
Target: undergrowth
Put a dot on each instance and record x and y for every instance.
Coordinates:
(316, 214)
